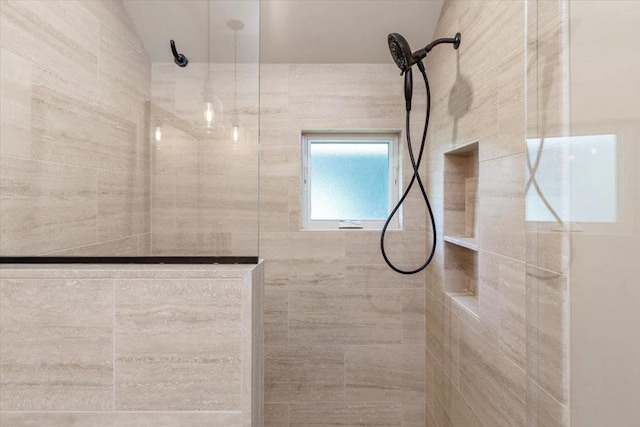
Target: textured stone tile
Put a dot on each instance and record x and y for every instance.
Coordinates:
(298, 273)
(547, 323)
(172, 337)
(543, 410)
(15, 121)
(274, 204)
(115, 419)
(380, 276)
(123, 205)
(276, 319)
(191, 243)
(276, 415)
(312, 245)
(513, 307)
(53, 36)
(281, 160)
(414, 414)
(406, 250)
(304, 373)
(206, 204)
(56, 348)
(68, 219)
(385, 373)
(124, 73)
(502, 205)
(413, 317)
(126, 246)
(332, 316)
(344, 414)
(494, 387)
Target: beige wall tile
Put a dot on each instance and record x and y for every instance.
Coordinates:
(547, 323)
(56, 348)
(123, 205)
(203, 321)
(413, 317)
(114, 419)
(344, 414)
(494, 387)
(118, 247)
(276, 317)
(15, 122)
(276, 415)
(385, 373)
(380, 276)
(298, 273)
(312, 245)
(543, 410)
(53, 36)
(56, 109)
(414, 414)
(66, 220)
(304, 373)
(332, 317)
(501, 206)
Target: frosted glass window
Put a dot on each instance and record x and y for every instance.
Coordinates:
(349, 180)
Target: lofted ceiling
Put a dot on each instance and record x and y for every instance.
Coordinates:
(282, 31)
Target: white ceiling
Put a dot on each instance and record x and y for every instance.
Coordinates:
(285, 31)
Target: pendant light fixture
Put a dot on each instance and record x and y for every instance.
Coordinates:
(211, 112)
(237, 139)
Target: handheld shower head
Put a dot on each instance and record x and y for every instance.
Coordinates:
(400, 51)
(404, 58)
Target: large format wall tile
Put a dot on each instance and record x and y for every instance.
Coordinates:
(501, 207)
(118, 419)
(172, 339)
(61, 37)
(327, 316)
(15, 103)
(302, 373)
(344, 414)
(75, 89)
(547, 323)
(494, 387)
(385, 373)
(45, 206)
(56, 348)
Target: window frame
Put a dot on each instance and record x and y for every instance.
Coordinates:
(395, 179)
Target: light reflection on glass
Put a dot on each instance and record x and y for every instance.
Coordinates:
(583, 190)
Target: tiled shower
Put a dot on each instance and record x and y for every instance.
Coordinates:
(156, 269)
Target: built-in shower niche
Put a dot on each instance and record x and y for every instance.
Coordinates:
(460, 225)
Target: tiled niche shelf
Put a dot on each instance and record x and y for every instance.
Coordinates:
(460, 226)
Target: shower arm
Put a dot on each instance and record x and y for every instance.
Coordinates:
(455, 41)
(178, 58)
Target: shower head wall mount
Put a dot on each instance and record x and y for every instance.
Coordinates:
(178, 58)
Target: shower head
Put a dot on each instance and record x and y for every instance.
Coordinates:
(400, 51)
(404, 58)
(401, 54)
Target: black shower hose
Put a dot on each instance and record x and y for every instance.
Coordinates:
(414, 178)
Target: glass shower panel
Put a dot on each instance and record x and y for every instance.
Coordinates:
(108, 147)
(204, 120)
(583, 213)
